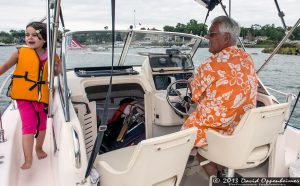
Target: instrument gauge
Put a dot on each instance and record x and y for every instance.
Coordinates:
(162, 61)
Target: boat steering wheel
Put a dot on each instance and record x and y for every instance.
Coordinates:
(182, 106)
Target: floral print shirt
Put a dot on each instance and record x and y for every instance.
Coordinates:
(224, 87)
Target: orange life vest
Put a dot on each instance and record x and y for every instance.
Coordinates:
(125, 108)
(29, 81)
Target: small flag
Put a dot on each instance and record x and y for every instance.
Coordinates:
(74, 43)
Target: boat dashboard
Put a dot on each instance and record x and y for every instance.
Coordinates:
(162, 81)
(167, 68)
(164, 68)
(170, 62)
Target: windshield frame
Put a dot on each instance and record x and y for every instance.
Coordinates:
(121, 61)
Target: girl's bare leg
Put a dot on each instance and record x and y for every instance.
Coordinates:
(27, 143)
(41, 154)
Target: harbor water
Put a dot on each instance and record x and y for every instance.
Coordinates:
(281, 73)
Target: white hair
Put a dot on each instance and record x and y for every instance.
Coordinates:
(228, 25)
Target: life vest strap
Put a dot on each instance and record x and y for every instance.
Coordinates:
(38, 125)
(36, 84)
(27, 79)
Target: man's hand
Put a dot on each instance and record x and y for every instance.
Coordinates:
(190, 80)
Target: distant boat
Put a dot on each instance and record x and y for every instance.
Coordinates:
(4, 44)
(99, 49)
(119, 44)
(182, 47)
(249, 43)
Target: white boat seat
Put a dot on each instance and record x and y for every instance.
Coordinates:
(252, 141)
(156, 161)
(258, 154)
(118, 159)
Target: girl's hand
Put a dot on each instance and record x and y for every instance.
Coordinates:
(57, 68)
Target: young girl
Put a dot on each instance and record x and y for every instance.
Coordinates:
(30, 88)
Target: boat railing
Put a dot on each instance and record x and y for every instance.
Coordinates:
(289, 96)
(4, 86)
(63, 83)
(2, 138)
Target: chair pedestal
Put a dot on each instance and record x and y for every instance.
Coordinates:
(230, 173)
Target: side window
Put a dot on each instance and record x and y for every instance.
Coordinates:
(200, 55)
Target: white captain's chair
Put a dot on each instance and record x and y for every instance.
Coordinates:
(252, 141)
(158, 161)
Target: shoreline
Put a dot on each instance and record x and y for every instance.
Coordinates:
(284, 50)
(5, 45)
(295, 51)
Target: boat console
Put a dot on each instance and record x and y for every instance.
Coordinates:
(170, 67)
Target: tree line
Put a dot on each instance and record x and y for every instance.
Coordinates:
(270, 31)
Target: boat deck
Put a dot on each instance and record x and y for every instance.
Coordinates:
(41, 172)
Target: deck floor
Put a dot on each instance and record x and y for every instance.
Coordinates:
(41, 171)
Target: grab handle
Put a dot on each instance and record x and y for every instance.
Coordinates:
(76, 145)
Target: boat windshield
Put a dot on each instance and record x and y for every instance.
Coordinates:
(94, 48)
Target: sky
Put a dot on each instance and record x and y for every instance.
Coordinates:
(96, 14)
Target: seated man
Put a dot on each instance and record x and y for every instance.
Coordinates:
(224, 87)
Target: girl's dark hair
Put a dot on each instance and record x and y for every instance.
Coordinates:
(42, 28)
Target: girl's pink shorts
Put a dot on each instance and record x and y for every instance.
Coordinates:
(30, 111)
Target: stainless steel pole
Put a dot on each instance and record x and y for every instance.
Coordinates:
(52, 35)
(2, 138)
(224, 9)
(49, 50)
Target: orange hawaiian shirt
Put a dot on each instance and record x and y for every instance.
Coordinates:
(224, 87)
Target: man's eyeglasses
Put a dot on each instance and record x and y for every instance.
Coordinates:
(212, 34)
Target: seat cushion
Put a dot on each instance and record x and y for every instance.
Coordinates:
(118, 159)
(258, 154)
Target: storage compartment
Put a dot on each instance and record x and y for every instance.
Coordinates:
(111, 109)
(164, 114)
(125, 114)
